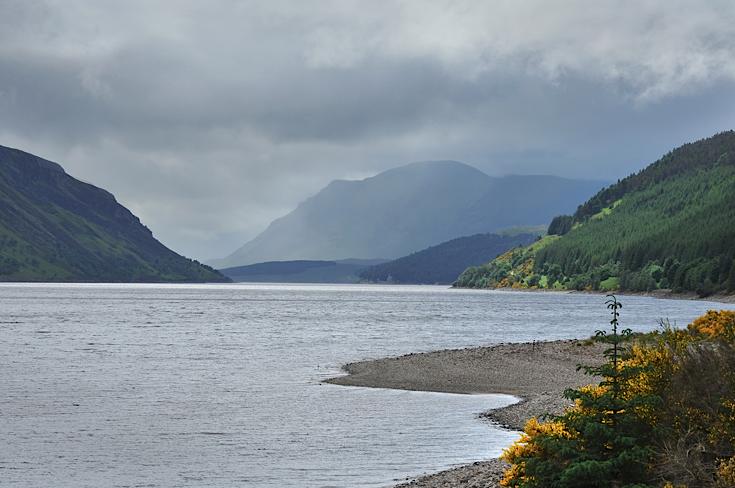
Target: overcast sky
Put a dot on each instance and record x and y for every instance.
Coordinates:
(210, 118)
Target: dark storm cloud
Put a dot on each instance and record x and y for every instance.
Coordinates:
(208, 119)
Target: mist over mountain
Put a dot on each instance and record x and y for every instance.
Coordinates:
(409, 208)
(56, 228)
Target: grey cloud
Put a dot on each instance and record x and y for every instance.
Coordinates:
(210, 119)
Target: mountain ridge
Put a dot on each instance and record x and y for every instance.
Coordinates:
(408, 208)
(300, 271)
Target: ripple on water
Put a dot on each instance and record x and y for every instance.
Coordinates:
(219, 385)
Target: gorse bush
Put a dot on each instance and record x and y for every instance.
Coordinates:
(600, 442)
(662, 416)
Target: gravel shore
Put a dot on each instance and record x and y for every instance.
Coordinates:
(537, 373)
(663, 294)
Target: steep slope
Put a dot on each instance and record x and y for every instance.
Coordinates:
(672, 226)
(406, 209)
(56, 228)
(443, 263)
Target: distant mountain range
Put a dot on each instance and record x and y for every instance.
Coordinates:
(301, 271)
(407, 209)
(56, 228)
(669, 226)
(440, 264)
(443, 263)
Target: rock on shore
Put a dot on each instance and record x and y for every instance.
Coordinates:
(482, 474)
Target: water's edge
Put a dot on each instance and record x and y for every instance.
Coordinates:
(536, 373)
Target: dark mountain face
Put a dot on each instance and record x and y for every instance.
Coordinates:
(443, 263)
(344, 271)
(56, 228)
(409, 208)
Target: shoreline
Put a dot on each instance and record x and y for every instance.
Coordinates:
(537, 373)
(660, 294)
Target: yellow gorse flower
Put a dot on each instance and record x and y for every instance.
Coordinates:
(719, 325)
(659, 359)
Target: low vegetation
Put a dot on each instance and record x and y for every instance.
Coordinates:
(663, 415)
(513, 268)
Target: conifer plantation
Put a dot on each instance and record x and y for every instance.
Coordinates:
(670, 226)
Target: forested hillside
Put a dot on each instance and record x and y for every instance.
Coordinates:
(56, 228)
(444, 262)
(670, 226)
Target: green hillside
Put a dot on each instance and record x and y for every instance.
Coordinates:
(56, 228)
(670, 226)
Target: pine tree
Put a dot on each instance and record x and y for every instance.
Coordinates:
(602, 442)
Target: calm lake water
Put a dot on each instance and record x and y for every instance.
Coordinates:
(219, 385)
